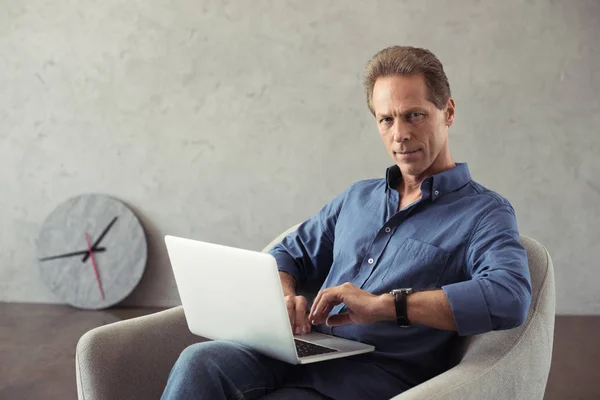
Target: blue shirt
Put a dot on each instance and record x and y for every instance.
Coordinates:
(460, 237)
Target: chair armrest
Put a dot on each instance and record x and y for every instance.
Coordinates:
(520, 373)
(510, 364)
(131, 359)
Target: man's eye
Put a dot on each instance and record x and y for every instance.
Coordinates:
(415, 116)
(386, 120)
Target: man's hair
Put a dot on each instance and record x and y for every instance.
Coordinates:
(408, 61)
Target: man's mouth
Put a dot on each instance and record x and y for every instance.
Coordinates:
(407, 151)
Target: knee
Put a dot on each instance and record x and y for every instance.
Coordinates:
(203, 363)
(205, 355)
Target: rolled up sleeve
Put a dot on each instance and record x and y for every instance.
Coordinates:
(307, 253)
(498, 292)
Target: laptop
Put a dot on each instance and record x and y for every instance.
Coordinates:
(236, 295)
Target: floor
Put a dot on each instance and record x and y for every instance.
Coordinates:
(37, 347)
(37, 351)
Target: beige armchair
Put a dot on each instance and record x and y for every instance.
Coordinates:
(132, 359)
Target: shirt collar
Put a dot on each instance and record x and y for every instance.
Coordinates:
(436, 185)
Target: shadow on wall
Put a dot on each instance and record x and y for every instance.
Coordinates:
(157, 281)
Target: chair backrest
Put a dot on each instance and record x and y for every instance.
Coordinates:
(280, 238)
(519, 357)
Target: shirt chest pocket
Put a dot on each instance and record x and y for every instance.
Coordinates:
(416, 265)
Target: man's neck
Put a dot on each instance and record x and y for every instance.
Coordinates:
(410, 191)
(410, 185)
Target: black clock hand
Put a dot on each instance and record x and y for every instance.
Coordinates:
(75, 253)
(97, 242)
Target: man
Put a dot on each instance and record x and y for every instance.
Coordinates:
(427, 227)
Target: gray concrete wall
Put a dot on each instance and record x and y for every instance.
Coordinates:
(230, 121)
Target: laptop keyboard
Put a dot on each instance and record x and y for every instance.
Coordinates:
(305, 349)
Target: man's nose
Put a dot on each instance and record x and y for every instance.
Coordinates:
(401, 134)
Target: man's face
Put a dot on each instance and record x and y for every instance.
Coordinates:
(413, 129)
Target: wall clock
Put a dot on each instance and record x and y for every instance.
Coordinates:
(92, 251)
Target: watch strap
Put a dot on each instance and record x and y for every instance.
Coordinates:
(401, 309)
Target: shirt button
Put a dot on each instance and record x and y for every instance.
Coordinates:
(388, 229)
(371, 261)
(436, 192)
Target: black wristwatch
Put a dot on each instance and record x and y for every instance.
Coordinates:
(401, 313)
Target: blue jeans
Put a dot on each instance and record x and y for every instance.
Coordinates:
(225, 370)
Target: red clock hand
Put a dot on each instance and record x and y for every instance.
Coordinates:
(91, 253)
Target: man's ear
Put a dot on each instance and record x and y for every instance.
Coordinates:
(449, 112)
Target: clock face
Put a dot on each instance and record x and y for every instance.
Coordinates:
(92, 251)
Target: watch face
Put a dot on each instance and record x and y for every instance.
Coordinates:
(92, 251)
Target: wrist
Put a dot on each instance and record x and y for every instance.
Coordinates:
(288, 284)
(386, 308)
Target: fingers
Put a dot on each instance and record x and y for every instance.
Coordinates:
(301, 323)
(297, 308)
(315, 304)
(319, 303)
(290, 304)
(339, 319)
(324, 303)
(326, 299)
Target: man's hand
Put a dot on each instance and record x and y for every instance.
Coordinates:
(297, 307)
(363, 307)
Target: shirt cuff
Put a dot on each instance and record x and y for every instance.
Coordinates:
(469, 307)
(286, 263)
